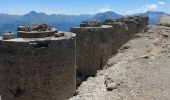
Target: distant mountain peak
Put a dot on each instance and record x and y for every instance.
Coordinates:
(155, 12)
(109, 12)
(63, 21)
(152, 13)
(154, 16)
(32, 12)
(107, 15)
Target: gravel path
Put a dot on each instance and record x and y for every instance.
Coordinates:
(140, 71)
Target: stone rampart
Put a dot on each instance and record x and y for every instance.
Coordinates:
(95, 45)
(41, 63)
(125, 28)
(38, 68)
(93, 48)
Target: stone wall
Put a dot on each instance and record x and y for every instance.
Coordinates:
(38, 69)
(120, 35)
(141, 22)
(22, 34)
(44, 68)
(95, 45)
(124, 29)
(93, 48)
(164, 20)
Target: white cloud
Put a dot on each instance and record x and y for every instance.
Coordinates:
(161, 3)
(105, 9)
(145, 8)
(90, 13)
(150, 7)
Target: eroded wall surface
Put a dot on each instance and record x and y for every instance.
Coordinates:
(44, 69)
(95, 45)
(41, 69)
(93, 49)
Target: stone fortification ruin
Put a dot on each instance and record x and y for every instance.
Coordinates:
(96, 42)
(94, 47)
(38, 65)
(164, 20)
(125, 28)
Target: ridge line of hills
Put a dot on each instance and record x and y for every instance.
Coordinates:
(62, 22)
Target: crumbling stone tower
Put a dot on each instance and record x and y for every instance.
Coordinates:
(120, 34)
(125, 28)
(93, 47)
(96, 42)
(38, 65)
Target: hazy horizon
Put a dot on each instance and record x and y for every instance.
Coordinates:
(77, 7)
(14, 13)
(77, 14)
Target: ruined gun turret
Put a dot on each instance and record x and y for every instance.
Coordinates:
(38, 65)
(93, 47)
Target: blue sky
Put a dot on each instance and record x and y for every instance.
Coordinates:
(76, 7)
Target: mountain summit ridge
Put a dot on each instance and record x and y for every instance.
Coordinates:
(153, 15)
(62, 21)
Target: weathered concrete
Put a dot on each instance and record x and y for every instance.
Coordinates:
(94, 42)
(164, 20)
(141, 22)
(38, 68)
(93, 49)
(120, 34)
(124, 29)
(40, 63)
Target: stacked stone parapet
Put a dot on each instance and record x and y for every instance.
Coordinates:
(32, 34)
(36, 31)
(91, 24)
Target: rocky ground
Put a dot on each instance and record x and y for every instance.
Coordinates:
(140, 71)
